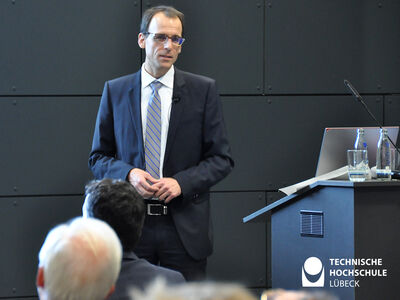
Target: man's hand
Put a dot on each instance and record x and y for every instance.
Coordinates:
(140, 180)
(168, 188)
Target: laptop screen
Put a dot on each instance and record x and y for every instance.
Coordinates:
(337, 140)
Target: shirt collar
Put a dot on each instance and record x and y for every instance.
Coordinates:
(167, 79)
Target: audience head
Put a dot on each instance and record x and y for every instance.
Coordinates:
(117, 203)
(79, 260)
(158, 290)
(280, 294)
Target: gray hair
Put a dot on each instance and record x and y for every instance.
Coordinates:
(81, 260)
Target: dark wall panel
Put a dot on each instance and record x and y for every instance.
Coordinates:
(49, 143)
(25, 222)
(66, 47)
(8, 138)
(239, 249)
(392, 110)
(311, 46)
(276, 140)
(224, 41)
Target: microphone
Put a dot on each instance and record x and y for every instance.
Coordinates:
(353, 90)
(176, 99)
(360, 99)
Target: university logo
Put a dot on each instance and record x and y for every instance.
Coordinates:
(312, 273)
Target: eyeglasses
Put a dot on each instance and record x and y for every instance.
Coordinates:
(162, 38)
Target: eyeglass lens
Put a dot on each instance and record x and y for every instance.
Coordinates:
(162, 38)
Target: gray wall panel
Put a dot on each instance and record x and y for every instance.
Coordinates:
(8, 137)
(246, 121)
(224, 41)
(311, 46)
(392, 110)
(276, 140)
(271, 197)
(24, 225)
(239, 249)
(66, 47)
(50, 143)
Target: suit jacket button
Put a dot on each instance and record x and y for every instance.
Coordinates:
(195, 196)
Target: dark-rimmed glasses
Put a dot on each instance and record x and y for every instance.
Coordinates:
(162, 38)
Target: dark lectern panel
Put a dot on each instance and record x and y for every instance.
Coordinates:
(25, 223)
(224, 41)
(239, 250)
(314, 49)
(66, 47)
(376, 223)
(276, 140)
(50, 140)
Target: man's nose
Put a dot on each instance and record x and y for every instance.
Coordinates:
(168, 43)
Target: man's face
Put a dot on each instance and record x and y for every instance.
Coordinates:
(160, 56)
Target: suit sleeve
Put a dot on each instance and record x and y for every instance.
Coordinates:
(102, 158)
(216, 162)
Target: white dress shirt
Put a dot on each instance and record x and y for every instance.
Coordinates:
(165, 93)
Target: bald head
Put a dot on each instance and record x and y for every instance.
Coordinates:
(79, 260)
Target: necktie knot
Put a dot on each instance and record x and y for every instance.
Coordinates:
(155, 85)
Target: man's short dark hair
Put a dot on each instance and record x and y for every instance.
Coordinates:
(169, 11)
(117, 203)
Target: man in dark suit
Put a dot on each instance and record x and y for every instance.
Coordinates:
(117, 203)
(162, 130)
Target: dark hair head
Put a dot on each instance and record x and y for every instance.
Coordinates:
(117, 203)
(169, 11)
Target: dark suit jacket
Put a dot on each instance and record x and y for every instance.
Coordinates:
(197, 153)
(139, 273)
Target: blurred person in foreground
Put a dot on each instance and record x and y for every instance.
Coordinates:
(280, 294)
(158, 290)
(79, 260)
(117, 203)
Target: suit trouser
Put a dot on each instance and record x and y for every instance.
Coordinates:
(160, 245)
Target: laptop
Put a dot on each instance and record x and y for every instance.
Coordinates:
(337, 140)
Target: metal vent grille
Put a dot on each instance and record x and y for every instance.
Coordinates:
(311, 223)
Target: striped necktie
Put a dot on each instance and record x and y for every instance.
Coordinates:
(153, 132)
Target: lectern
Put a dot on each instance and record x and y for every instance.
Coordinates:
(339, 236)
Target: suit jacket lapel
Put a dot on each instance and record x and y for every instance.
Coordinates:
(135, 110)
(178, 105)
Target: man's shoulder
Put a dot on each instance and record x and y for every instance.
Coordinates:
(126, 80)
(193, 77)
(148, 270)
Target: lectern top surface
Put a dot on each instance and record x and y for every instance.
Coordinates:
(260, 214)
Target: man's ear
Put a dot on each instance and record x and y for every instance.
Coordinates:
(40, 277)
(142, 40)
(112, 289)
